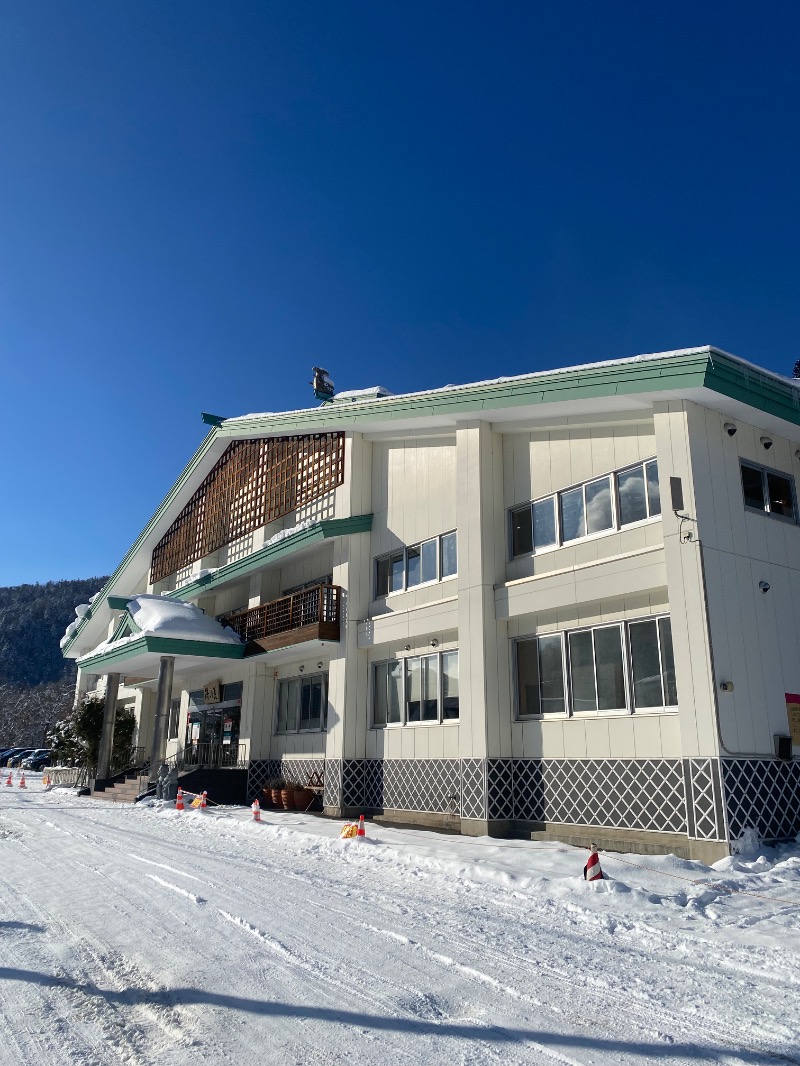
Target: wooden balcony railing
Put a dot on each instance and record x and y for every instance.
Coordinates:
(311, 614)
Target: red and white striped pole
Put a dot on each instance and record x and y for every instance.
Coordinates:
(256, 811)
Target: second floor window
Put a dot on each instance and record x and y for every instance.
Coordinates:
(418, 564)
(417, 690)
(769, 491)
(596, 506)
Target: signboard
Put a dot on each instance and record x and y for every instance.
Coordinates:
(212, 693)
(227, 730)
(793, 714)
(195, 732)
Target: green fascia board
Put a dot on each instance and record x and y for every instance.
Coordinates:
(118, 603)
(751, 386)
(683, 371)
(105, 661)
(323, 530)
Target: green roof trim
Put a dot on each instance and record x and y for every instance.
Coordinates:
(118, 603)
(104, 661)
(752, 386)
(680, 371)
(324, 530)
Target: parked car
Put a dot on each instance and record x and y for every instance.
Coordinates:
(16, 760)
(38, 760)
(9, 754)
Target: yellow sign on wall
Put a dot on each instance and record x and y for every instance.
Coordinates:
(212, 693)
(793, 714)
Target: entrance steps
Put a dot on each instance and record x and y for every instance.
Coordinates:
(124, 788)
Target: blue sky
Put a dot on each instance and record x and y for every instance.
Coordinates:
(199, 201)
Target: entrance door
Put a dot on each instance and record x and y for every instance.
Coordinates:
(212, 729)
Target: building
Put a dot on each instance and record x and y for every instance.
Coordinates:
(563, 603)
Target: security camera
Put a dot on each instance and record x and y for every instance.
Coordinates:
(766, 442)
(764, 586)
(730, 429)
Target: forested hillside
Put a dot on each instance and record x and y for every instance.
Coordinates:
(36, 683)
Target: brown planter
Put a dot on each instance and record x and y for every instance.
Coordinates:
(287, 799)
(276, 798)
(303, 798)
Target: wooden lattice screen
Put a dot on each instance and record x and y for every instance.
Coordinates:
(255, 482)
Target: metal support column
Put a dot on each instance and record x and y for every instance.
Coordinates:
(107, 734)
(161, 718)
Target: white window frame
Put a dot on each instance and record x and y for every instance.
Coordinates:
(379, 593)
(616, 520)
(627, 663)
(404, 661)
(765, 510)
(323, 728)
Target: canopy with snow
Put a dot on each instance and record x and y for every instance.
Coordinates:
(154, 626)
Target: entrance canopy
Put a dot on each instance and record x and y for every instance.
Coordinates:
(153, 626)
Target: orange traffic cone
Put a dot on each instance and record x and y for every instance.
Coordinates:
(203, 801)
(256, 811)
(361, 831)
(179, 800)
(592, 870)
(22, 782)
(9, 782)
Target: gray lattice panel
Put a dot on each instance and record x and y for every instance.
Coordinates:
(500, 788)
(332, 792)
(299, 771)
(705, 816)
(529, 802)
(645, 794)
(762, 794)
(373, 784)
(473, 788)
(260, 771)
(353, 783)
(431, 785)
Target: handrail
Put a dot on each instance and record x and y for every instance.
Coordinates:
(212, 755)
(311, 606)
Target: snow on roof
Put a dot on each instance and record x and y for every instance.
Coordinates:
(159, 617)
(369, 395)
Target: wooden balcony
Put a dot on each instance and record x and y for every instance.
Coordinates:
(311, 614)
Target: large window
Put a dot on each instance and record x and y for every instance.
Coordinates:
(302, 704)
(769, 491)
(417, 690)
(597, 506)
(418, 564)
(613, 668)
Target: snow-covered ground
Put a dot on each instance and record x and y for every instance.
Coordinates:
(140, 935)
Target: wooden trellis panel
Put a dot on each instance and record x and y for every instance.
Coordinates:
(255, 482)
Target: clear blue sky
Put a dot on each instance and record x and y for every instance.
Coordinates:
(198, 201)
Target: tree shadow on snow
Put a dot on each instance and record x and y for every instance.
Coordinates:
(23, 925)
(408, 1026)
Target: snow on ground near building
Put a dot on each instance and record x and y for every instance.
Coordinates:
(145, 936)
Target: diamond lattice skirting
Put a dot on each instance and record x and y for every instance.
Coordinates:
(762, 794)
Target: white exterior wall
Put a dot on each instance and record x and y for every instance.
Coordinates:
(755, 636)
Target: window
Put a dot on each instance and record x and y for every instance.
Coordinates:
(418, 690)
(418, 564)
(540, 675)
(302, 704)
(605, 669)
(769, 491)
(603, 504)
